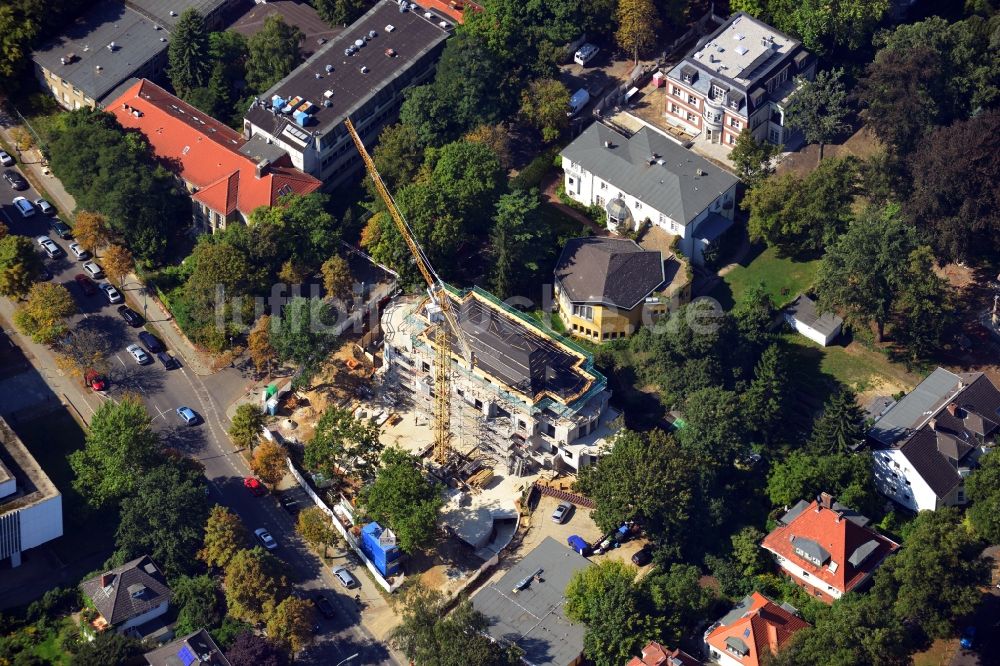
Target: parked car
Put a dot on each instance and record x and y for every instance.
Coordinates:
(45, 207)
(168, 361)
(86, 285)
(95, 380)
(151, 342)
(139, 354)
(290, 504)
(78, 251)
(61, 228)
(15, 180)
(265, 538)
(577, 101)
(968, 639)
(585, 54)
(23, 206)
(346, 578)
(643, 556)
(254, 485)
(187, 414)
(112, 294)
(6, 159)
(323, 605)
(92, 269)
(561, 514)
(49, 246)
(131, 317)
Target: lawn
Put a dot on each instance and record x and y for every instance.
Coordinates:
(940, 653)
(783, 278)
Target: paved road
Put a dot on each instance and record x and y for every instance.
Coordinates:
(163, 391)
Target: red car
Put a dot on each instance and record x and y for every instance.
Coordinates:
(95, 380)
(86, 284)
(254, 485)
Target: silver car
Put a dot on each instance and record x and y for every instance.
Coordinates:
(112, 294)
(265, 538)
(561, 514)
(346, 578)
(139, 354)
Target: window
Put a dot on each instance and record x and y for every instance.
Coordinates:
(733, 122)
(638, 204)
(674, 108)
(604, 185)
(571, 180)
(599, 200)
(568, 454)
(548, 429)
(674, 90)
(731, 138)
(691, 117)
(692, 100)
(584, 312)
(718, 92)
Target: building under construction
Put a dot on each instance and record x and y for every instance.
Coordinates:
(530, 397)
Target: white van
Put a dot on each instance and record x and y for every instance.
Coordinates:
(585, 54)
(577, 101)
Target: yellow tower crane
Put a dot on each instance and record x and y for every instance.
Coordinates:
(438, 293)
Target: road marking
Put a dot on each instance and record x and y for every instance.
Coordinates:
(120, 360)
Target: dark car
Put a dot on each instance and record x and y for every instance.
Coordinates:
(15, 180)
(131, 317)
(290, 504)
(86, 285)
(61, 228)
(168, 361)
(323, 605)
(151, 342)
(643, 556)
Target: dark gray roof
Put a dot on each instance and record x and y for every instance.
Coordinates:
(610, 271)
(257, 149)
(738, 611)
(916, 407)
(116, 603)
(180, 652)
(159, 10)
(681, 188)
(813, 550)
(533, 616)
(87, 38)
(412, 37)
(862, 552)
(803, 309)
(737, 645)
(858, 519)
(793, 513)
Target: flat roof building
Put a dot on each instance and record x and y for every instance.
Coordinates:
(360, 74)
(197, 649)
(30, 504)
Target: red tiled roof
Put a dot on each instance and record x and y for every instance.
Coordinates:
(206, 151)
(444, 7)
(655, 654)
(765, 627)
(839, 537)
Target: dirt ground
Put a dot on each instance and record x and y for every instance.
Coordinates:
(862, 144)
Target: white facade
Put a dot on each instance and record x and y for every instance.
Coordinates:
(817, 336)
(896, 478)
(797, 572)
(718, 657)
(151, 614)
(29, 527)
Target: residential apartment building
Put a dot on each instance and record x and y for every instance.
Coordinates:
(113, 42)
(655, 654)
(826, 548)
(30, 504)
(225, 184)
(648, 177)
(361, 74)
(738, 78)
(531, 395)
(755, 627)
(925, 445)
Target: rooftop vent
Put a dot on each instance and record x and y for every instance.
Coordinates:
(173, 13)
(163, 39)
(318, 75)
(739, 36)
(428, 15)
(98, 67)
(390, 28)
(359, 43)
(328, 94)
(327, 103)
(156, 27)
(112, 47)
(372, 34)
(402, 9)
(390, 53)
(329, 68)
(364, 69)
(700, 172)
(444, 25)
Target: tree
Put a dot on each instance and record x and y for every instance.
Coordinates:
(91, 231)
(605, 598)
(269, 462)
(469, 178)
(304, 331)
(403, 499)
(637, 25)
(120, 446)
(293, 272)
(342, 444)
(16, 33)
(19, 265)
(754, 315)
(253, 585)
(954, 198)
(840, 427)
(497, 139)
(108, 647)
(118, 263)
(259, 344)
(187, 56)
(516, 242)
(752, 159)
(339, 12)
(823, 26)
(305, 232)
(398, 156)
(644, 477)
(247, 424)
(544, 105)
(198, 603)
(430, 636)
(803, 475)
(249, 649)
(748, 556)
(84, 347)
(819, 108)
(273, 52)
(337, 279)
(225, 535)
(982, 487)
(165, 518)
(313, 525)
(44, 312)
(714, 426)
(765, 399)
(291, 623)
(924, 308)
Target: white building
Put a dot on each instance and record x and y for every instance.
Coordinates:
(924, 446)
(30, 505)
(128, 596)
(650, 177)
(537, 397)
(802, 315)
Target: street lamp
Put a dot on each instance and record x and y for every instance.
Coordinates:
(349, 658)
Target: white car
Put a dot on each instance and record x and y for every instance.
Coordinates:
(6, 159)
(93, 270)
(585, 54)
(78, 251)
(23, 206)
(50, 247)
(139, 354)
(112, 294)
(265, 538)
(45, 207)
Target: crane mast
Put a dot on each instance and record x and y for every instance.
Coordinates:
(437, 291)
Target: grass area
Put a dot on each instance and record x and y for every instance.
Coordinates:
(939, 653)
(783, 278)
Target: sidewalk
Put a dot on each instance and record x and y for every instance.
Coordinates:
(41, 178)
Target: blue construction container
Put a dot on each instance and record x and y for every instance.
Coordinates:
(380, 547)
(301, 117)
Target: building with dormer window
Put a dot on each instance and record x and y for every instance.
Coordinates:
(755, 627)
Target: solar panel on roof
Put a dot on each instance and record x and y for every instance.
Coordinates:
(746, 633)
(186, 656)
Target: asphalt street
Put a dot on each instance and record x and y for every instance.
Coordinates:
(163, 391)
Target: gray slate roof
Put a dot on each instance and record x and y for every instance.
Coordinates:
(159, 10)
(88, 37)
(180, 652)
(533, 617)
(803, 309)
(609, 271)
(915, 408)
(674, 188)
(116, 603)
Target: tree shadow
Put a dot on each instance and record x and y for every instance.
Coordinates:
(186, 439)
(133, 378)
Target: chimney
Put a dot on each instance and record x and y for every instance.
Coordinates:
(825, 500)
(772, 637)
(952, 408)
(107, 579)
(261, 170)
(933, 424)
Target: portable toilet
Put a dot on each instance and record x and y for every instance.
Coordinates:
(380, 546)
